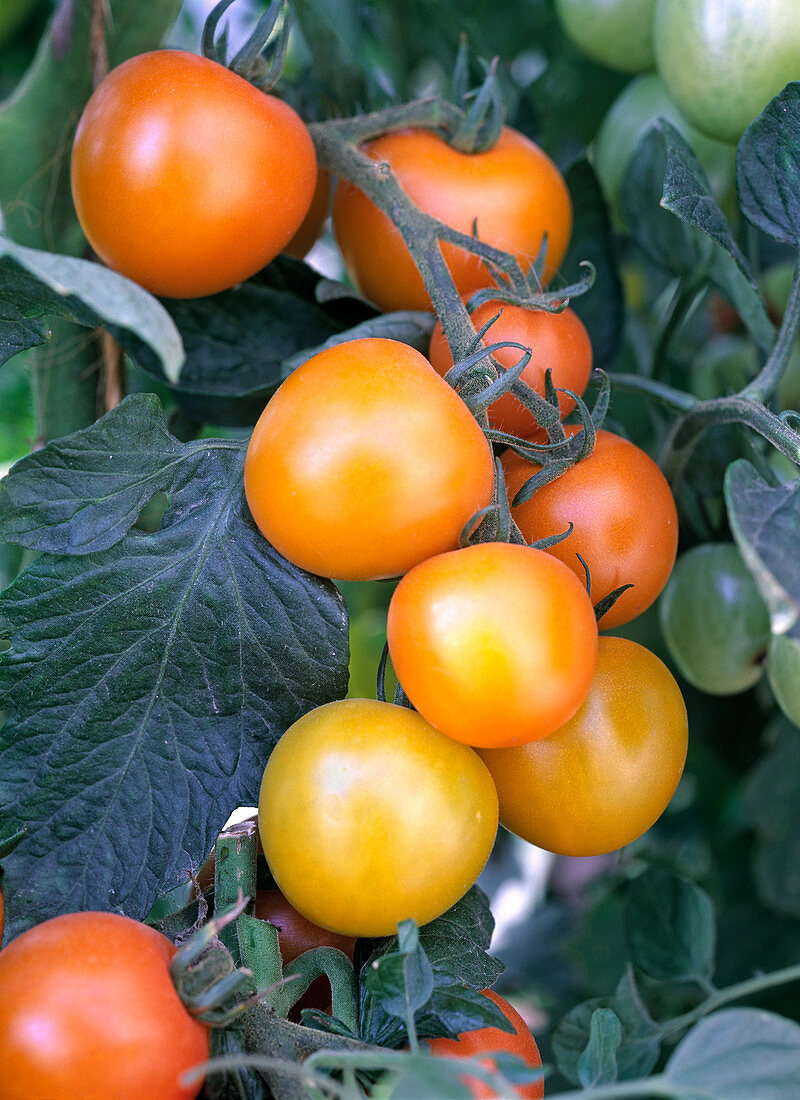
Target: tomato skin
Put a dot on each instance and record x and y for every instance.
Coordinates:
(514, 191)
(308, 233)
(89, 1011)
(487, 1040)
(175, 162)
(723, 60)
(329, 477)
(607, 775)
(494, 644)
(624, 516)
(369, 816)
(617, 33)
(558, 341)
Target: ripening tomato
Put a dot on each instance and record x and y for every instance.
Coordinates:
(624, 516)
(308, 233)
(369, 816)
(494, 644)
(617, 33)
(558, 342)
(89, 1011)
(186, 178)
(607, 775)
(365, 462)
(513, 190)
(492, 1040)
(723, 60)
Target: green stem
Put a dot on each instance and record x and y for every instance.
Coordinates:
(667, 396)
(623, 1090)
(765, 382)
(338, 969)
(733, 993)
(726, 410)
(235, 874)
(301, 1072)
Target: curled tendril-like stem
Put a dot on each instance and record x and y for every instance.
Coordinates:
(272, 30)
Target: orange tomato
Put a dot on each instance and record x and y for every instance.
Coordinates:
(624, 516)
(491, 1040)
(513, 190)
(186, 178)
(494, 644)
(365, 462)
(608, 774)
(558, 342)
(308, 233)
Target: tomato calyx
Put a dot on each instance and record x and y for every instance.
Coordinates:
(250, 62)
(484, 117)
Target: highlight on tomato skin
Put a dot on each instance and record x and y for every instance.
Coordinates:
(494, 644)
(607, 774)
(366, 462)
(89, 1011)
(175, 161)
(513, 191)
(625, 523)
(559, 342)
(490, 1040)
(369, 816)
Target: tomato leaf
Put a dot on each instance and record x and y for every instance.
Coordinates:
(640, 1042)
(146, 680)
(597, 1064)
(765, 521)
(402, 981)
(665, 178)
(687, 195)
(600, 308)
(38, 121)
(768, 168)
(35, 285)
(425, 1077)
(772, 798)
(737, 1054)
(670, 927)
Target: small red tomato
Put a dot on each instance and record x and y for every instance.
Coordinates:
(491, 1040)
(558, 342)
(624, 517)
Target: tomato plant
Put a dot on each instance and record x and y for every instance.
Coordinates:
(494, 644)
(175, 161)
(723, 60)
(559, 342)
(369, 816)
(625, 524)
(488, 1040)
(513, 193)
(607, 774)
(617, 33)
(714, 620)
(329, 478)
(89, 1010)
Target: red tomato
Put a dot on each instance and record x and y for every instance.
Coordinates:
(89, 1012)
(186, 178)
(624, 516)
(365, 462)
(494, 644)
(490, 1040)
(558, 342)
(608, 774)
(514, 191)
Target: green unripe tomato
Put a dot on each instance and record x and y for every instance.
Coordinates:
(724, 60)
(783, 673)
(635, 109)
(714, 620)
(617, 33)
